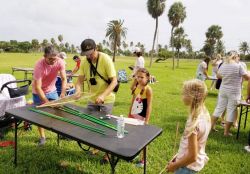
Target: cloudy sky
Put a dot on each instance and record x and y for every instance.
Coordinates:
(79, 19)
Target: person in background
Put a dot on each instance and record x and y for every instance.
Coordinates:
(63, 56)
(229, 96)
(141, 106)
(139, 63)
(202, 69)
(191, 156)
(77, 59)
(93, 65)
(215, 64)
(247, 147)
(44, 78)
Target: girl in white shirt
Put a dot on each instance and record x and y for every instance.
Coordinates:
(191, 156)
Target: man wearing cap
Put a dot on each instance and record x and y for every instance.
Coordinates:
(44, 78)
(139, 63)
(93, 65)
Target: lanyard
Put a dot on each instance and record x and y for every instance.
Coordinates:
(93, 70)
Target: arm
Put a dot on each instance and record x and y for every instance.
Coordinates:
(79, 85)
(130, 108)
(108, 90)
(75, 70)
(133, 86)
(149, 95)
(64, 83)
(218, 76)
(38, 87)
(188, 158)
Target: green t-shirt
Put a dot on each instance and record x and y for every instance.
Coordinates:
(106, 68)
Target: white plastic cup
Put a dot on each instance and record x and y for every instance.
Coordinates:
(120, 127)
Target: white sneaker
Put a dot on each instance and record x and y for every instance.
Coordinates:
(247, 148)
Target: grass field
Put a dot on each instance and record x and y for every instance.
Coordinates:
(226, 154)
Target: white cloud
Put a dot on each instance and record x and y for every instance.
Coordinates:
(78, 19)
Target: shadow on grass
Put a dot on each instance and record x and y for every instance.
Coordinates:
(51, 158)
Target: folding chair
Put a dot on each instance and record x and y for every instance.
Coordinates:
(69, 91)
(11, 96)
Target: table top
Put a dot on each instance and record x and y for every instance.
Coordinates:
(126, 148)
(22, 69)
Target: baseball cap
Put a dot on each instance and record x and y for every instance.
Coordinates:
(87, 46)
(137, 50)
(63, 55)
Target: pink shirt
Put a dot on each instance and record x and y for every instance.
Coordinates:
(201, 130)
(47, 74)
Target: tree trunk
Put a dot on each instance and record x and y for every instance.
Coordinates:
(114, 49)
(178, 53)
(156, 27)
(172, 44)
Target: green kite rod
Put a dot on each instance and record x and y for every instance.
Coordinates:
(89, 117)
(93, 129)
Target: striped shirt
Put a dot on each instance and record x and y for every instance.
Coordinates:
(231, 77)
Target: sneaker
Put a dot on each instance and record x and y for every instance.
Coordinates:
(140, 164)
(247, 148)
(42, 141)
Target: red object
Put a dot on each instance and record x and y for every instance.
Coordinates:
(7, 143)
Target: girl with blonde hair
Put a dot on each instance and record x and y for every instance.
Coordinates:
(191, 156)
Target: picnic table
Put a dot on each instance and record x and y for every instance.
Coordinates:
(126, 148)
(25, 70)
(30, 71)
(244, 109)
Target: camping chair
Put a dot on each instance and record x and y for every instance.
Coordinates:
(11, 96)
(122, 76)
(69, 91)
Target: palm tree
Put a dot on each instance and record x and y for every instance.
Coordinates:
(176, 15)
(155, 9)
(178, 41)
(213, 35)
(115, 32)
(220, 48)
(35, 44)
(60, 38)
(244, 47)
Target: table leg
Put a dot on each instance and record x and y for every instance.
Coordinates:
(113, 161)
(246, 118)
(15, 146)
(25, 75)
(145, 159)
(238, 131)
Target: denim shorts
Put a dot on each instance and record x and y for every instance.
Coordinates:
(184, 170)
(50, 96)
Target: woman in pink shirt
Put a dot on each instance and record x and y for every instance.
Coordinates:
(44, 78)
(191, 156)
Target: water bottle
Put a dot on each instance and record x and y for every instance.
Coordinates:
(120, 127)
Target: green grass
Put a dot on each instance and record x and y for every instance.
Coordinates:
(226, 154)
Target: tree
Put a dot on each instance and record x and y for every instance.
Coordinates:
(213, 35)
(155, 9)
(178, 41)
(244, 47)
(115, 32)
(53, 41)
(176, 15)
(44, 43)
(35, 44)
(220, 48)
(60, 38)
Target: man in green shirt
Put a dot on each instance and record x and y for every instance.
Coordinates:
(94, 65)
